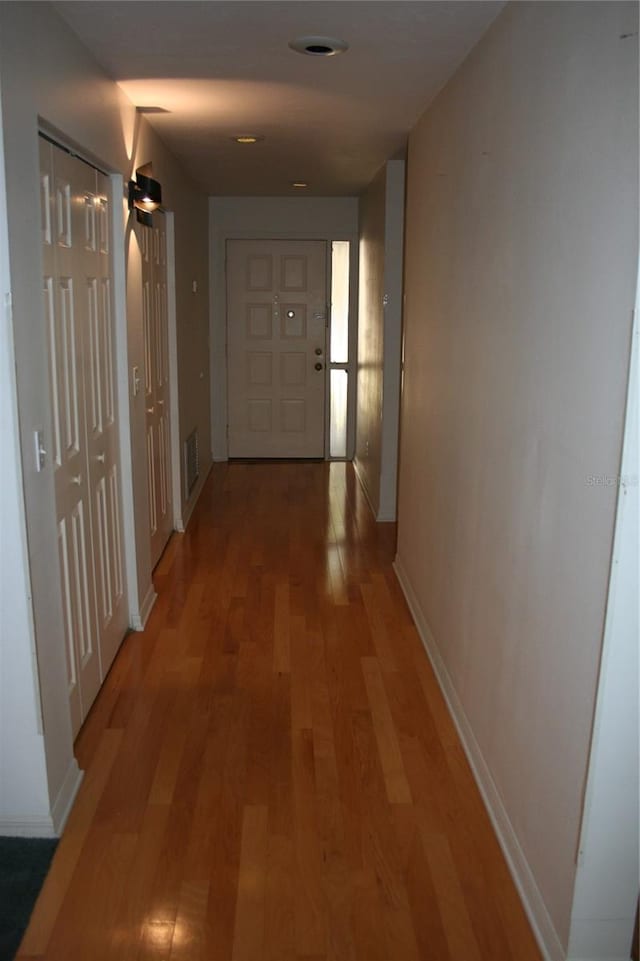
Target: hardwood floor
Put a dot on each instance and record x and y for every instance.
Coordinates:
(271, 771)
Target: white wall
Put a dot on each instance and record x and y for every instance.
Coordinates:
(380, 337)
(368, 458)
(23, 783)
(521, 257)
(393, 278)
(47, 77)
(299, 218)
(606, 893)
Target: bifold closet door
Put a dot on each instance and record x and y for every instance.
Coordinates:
(84, 442)
(103, 454)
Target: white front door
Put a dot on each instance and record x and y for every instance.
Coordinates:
(276, 345)
(84, 442)
(153, 247)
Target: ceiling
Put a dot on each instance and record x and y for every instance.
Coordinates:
(219, 68)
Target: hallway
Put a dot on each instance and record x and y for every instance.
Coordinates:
(270, 770)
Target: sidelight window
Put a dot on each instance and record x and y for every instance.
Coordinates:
(339, 348)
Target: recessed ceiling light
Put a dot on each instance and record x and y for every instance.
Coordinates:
(299, 183)
(247, 138)
(319, 46)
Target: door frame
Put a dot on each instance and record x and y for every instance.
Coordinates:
(118, 268)
(54, 769)
(172, 340)
(138, 602)
(218, 326)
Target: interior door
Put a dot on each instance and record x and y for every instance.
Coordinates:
(153, 247)
(101, 423)
(67, 317)
(276, 343)
(84, 441)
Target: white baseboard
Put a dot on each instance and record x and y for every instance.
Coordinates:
(35, 827)
(47, 825)
(193, 500)
(600, 939)
(530, 895)
(365, 489)
(383, 515)
(66, 796)
(139, 619)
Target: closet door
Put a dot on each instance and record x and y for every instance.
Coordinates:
(84, 442)
(67, 317)
(101, 424)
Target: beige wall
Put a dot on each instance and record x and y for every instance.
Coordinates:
(47, 76)
(379, 336)
(520, 270)
(371, 337)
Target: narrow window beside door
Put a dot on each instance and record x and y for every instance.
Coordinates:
(339, 348)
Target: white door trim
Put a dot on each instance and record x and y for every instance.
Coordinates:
(174, 410)
(606, 889)
(123, 389)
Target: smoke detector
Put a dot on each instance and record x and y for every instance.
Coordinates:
(319, 46)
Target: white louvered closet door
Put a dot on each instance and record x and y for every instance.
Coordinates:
(84, 442)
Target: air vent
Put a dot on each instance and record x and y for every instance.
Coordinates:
(191, 462)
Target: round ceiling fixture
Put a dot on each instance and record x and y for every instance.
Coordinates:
(247, 138)
(318, 46)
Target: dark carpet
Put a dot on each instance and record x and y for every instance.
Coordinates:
(24, 863)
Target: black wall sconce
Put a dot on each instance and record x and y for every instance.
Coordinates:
(145, 195)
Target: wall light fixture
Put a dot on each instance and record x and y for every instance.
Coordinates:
(145, 195)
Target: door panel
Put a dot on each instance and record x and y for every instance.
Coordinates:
(276, 329)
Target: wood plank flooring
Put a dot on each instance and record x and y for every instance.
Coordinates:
(271, 771)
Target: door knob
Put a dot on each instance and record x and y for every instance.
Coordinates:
(101, 458)
(318, 366)
(77, 480)
(318, 351)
